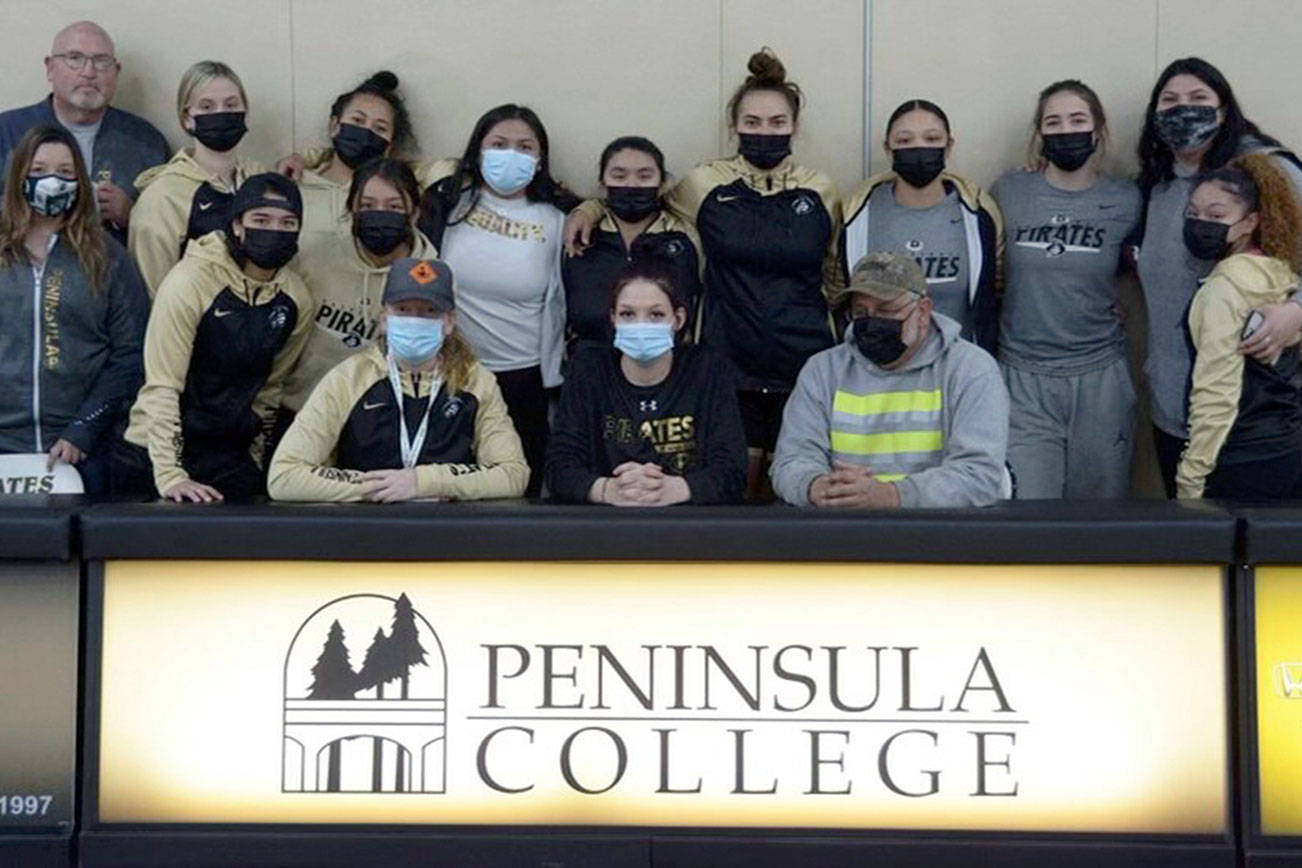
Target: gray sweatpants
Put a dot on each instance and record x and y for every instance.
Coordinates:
(1071, 436)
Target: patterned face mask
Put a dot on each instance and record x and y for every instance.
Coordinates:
(1187, 127)
(50, 195)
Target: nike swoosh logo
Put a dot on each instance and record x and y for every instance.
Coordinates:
(221, 313)
(1107, 207)
(204, 206)
(369, 406)
(722, 198)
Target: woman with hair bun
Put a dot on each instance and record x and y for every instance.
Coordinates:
(768, 228)
(1245, 416)
(367, 122)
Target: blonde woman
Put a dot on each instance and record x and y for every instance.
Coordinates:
(190, 195)
(414, 416)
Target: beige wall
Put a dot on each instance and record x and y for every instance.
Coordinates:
(595, 69)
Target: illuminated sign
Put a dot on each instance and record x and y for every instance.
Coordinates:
(1077, 698)
(1278, 600)
(38, 694)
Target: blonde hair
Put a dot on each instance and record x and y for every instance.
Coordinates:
(196, 77)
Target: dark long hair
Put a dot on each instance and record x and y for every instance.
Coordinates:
(1156, 160)
(393, 170)
(440, 205)
(383, 84)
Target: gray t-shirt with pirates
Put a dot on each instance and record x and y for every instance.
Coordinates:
(1059, 312)
(937, 239)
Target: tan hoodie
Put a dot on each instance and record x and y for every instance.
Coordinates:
(208, 288)
(1236, 286)
(346, 288)
(161, 216)
(325, 206)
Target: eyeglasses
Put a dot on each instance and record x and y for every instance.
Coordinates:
(77, 60)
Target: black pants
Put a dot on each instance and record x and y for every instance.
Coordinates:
(526, 401)
(230, 471)
(761, 417)
(1269, 479)
(1169, 449)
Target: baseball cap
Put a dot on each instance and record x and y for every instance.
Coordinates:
(253, 193)
(886, 275)
(426, 279)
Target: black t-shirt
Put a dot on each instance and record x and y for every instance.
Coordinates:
(689, 425)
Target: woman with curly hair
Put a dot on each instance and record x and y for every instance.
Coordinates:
(1245, 416)
(1193, 126)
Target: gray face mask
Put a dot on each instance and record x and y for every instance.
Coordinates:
(1187, 127)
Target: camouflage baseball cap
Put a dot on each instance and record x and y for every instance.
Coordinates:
(885, 275)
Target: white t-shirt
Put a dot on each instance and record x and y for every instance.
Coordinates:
(506, 261)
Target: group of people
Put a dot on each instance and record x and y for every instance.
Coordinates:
(359, 326)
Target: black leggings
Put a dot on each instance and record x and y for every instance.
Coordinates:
(526, 401)
(1169, 449)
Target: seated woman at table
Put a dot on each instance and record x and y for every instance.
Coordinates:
(646, 422)
(413, 416)
(1245, 417)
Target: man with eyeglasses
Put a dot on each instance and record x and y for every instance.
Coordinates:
(116, 145)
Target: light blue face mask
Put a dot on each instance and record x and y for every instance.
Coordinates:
(413, 339)
(644, 341)
(507, 172)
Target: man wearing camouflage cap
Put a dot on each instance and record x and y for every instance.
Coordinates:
(902, 413)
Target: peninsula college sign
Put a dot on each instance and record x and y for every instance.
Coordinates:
(1069, 698)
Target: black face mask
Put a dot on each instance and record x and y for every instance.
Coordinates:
(381, 231)
(1206, 239)
(918, 166)
(879, 338)
(763, 151)
(1186, 127)
(220, 131)
(356, 145)
(1068, 151)
(633, 204)
(269, 248)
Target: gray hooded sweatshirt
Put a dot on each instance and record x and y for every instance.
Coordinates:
(937, 427)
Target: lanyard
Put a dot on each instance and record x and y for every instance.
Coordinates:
(411, 447)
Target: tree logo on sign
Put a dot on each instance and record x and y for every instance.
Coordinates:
(377, 728)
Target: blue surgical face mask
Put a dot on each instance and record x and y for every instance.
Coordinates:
(644, 341)
(507, 172)
(413, 339)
